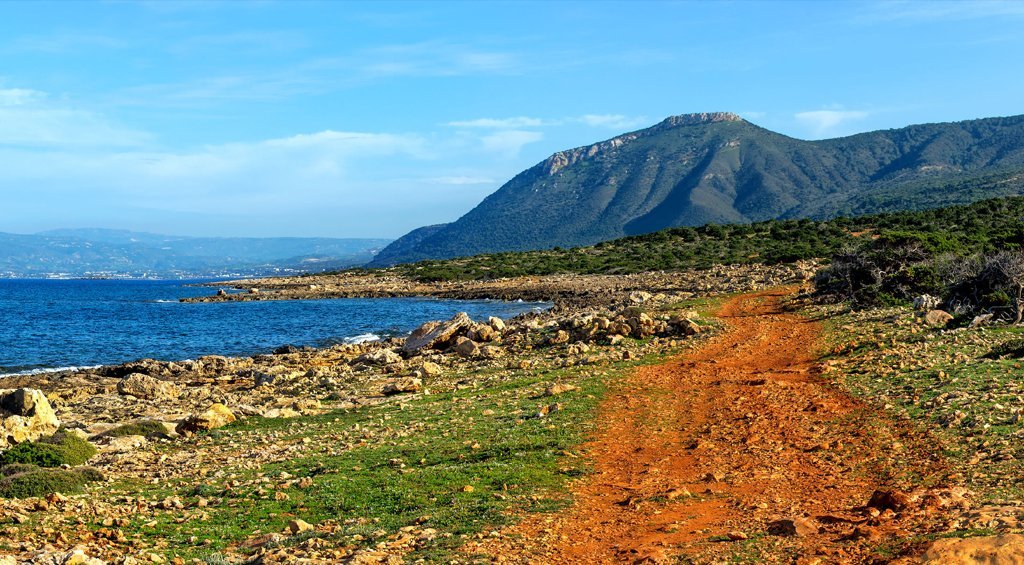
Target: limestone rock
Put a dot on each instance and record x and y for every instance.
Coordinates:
(430, 369)
(496, 323)
(399, 386)
(795, 527)
(926, 302)
(25, 415)
(558, 388)
(434, 335)
(147, 387)
(467, 347)
(216, 416)
(299, 526)
(938, 318)
(378, 357)
(1003, 549)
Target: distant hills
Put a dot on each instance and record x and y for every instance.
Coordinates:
(697, 169)
(117, 253)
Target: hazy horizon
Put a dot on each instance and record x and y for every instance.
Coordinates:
(367, 120)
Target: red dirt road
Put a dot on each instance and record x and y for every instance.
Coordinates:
(724, 442)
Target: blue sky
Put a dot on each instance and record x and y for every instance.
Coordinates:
(369, 119)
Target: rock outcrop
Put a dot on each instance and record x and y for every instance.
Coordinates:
(25, 415)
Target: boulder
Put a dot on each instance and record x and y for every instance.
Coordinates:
(435, 335)
(25, 415)
(1005, 548)
(378, 357)
(938, 318)
(796, 527)
(404, 385)
(688, 327)
(466, 347)
(496, 323)
(561, 336)
(216, 416)
(147, 387)
(430, 369)
(926, 302)
(558, 388)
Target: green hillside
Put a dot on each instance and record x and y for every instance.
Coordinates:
(976, 228)
(697, 169)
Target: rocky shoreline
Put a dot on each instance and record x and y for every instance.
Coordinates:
(596, 320)
(566, 291)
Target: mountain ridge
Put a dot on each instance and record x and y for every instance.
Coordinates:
(716, 167)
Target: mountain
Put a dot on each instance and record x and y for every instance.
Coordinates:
(117, 253)
(696, 169)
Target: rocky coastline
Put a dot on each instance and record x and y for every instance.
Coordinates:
(596, 320)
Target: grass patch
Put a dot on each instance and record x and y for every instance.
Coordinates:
(459, 463)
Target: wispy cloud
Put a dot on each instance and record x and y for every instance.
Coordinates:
(500, 123)
(64, 42)
(31, 118)
(248, 41)
(826, 122)
(510, 142)
(610, 121)
(930, 11)
(459, 180)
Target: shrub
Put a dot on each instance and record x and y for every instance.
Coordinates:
(146, 428)
(41, 482)
(62, 448)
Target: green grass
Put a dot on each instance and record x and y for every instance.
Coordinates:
(412, 471)
(947, 383)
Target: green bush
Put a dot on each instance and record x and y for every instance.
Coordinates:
(62, 448)
(41, 482)
(146, 428)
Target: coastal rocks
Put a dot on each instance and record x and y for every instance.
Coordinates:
(216, 416)
(147, 387)
(938, 318)
(403, 385)
(496, 323)
(466, 347)
(25, 415)
(378, 357)
(435, 335)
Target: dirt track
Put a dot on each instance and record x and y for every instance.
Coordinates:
(725, 442)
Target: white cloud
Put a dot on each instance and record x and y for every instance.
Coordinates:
(19, 96)
(825, 122)
(499, 123)
(459, 180)
(925, 11)
(64, 42)
(612, 121)
(508, 143)
(30, 118)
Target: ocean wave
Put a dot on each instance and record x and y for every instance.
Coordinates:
(361, 338)
(28, 372)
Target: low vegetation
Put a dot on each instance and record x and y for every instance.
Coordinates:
(24, 481)
(62, 448)
(910, 237)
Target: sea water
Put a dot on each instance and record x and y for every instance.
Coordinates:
(54, 324)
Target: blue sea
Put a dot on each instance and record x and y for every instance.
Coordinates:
(54, 324)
